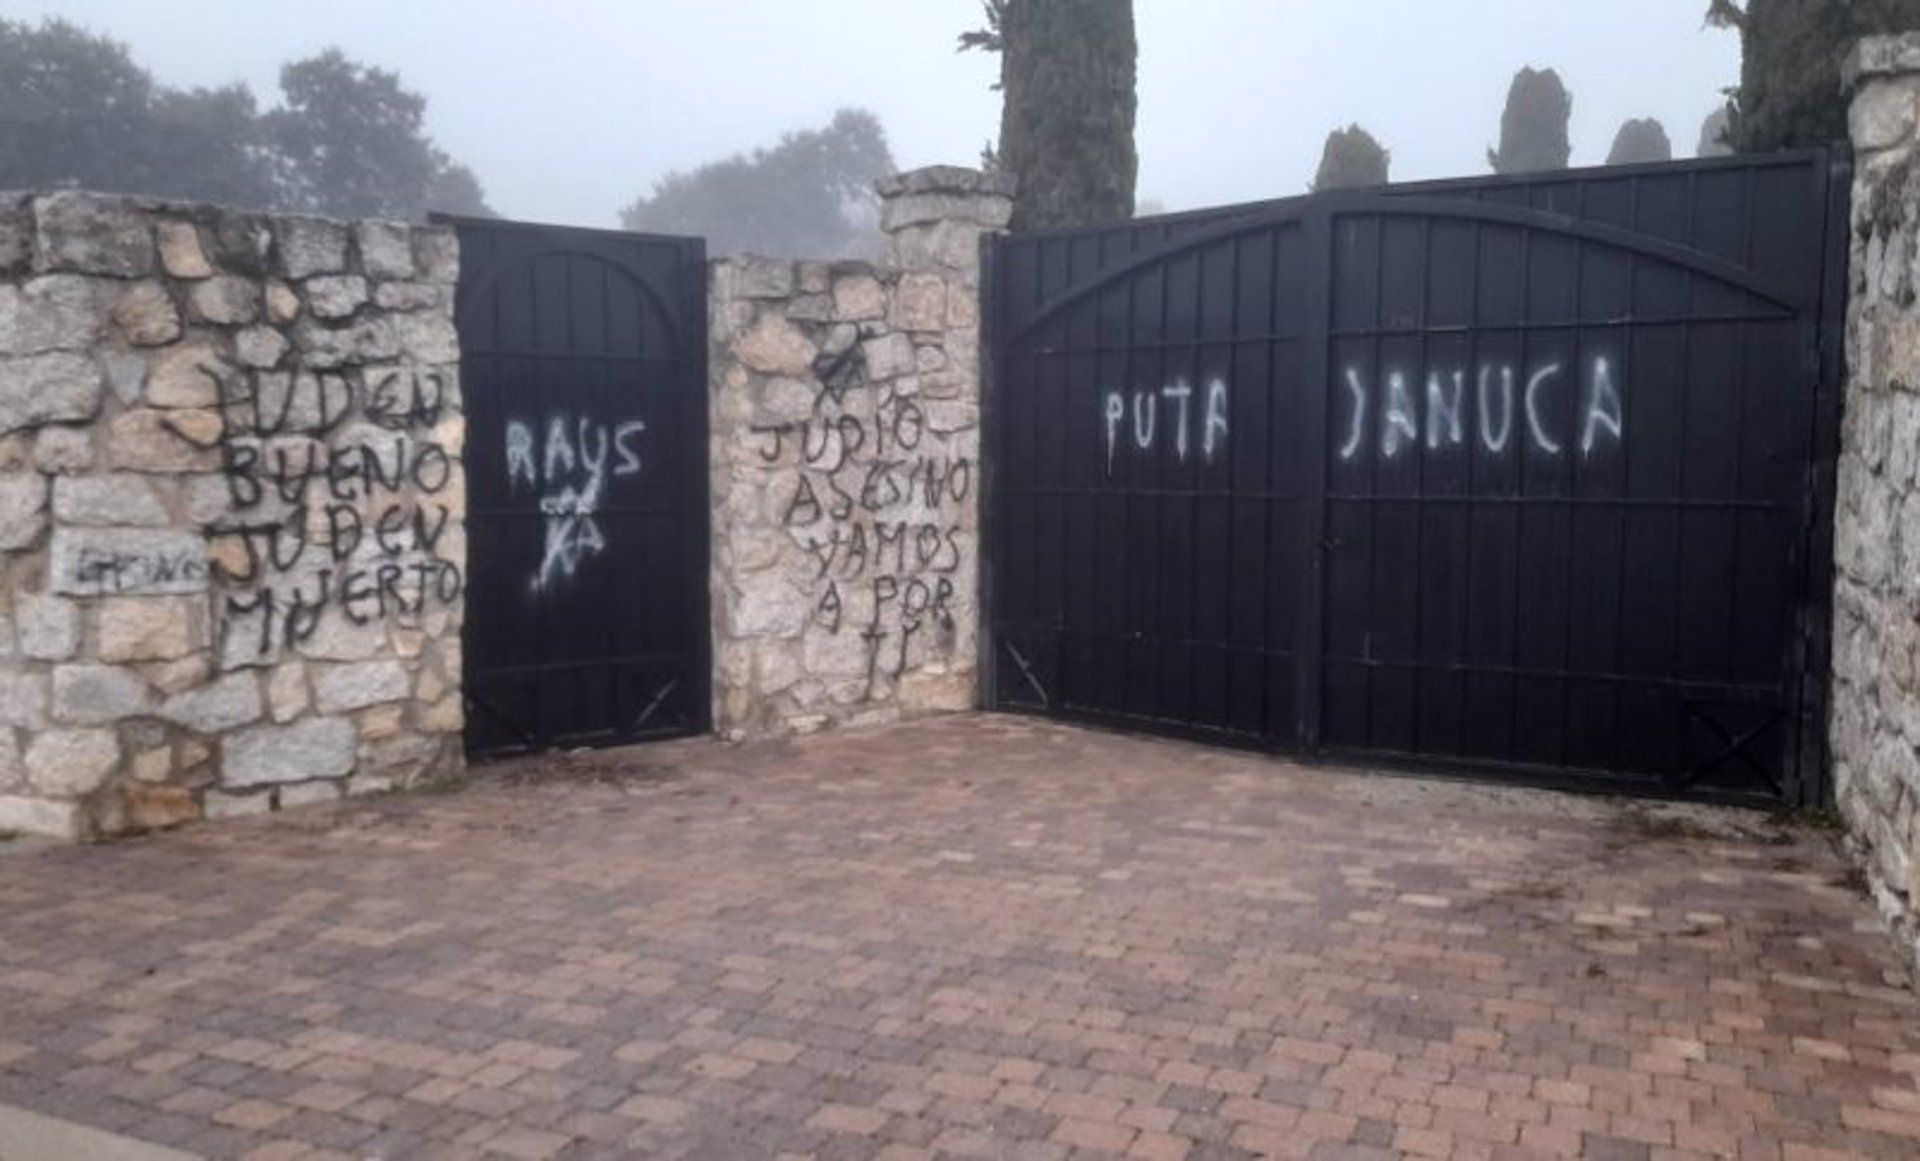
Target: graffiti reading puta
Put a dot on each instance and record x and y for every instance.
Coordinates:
(1145, 409)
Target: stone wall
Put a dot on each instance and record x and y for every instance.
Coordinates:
(231, 511)
(845, 467)
(1875, 725)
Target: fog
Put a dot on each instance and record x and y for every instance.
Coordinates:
(567, 110)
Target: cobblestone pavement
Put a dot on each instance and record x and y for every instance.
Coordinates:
(973, 937)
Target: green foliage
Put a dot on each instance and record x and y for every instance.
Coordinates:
(1068, 70)
(352, 145)
(1792, 50)
(77, 111)
(1533, 128)
(811, 195)
(1352, 159)
(1640, 141)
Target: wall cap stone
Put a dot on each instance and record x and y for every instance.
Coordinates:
(947, 179)
(1880, 56)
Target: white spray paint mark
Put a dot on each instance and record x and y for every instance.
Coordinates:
(1442, 407)
(1493, 443)
(1603, 407)
(1401, 424)
(1534, 384)
(1357, 432)
(570, 472)
(520, 455)
(1144, 408)
(1179, 391)
(1216, 425)
(1146, 412)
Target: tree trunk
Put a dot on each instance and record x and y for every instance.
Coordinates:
(1066, 126)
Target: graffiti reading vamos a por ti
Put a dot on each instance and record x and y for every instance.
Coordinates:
(568, 461)
(333, 515)
(875, 510)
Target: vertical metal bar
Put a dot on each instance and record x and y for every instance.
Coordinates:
(1625, 387)
(1518, 446)
(1571, 516)
(1680, 482)
(699, 474)
(1316, 235)
(988, 549)
(1420, 573)
(1810, 785)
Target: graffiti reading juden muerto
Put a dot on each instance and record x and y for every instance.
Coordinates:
(876, 511)
(334, 515)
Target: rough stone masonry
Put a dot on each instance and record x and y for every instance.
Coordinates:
(1875, 726)
(845, 469)
(231, 511)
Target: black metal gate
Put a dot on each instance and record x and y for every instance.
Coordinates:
(1530, 475)
(584, 367)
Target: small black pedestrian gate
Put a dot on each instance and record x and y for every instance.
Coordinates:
(584, 367)
(1530, 475)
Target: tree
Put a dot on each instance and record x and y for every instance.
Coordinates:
(1067, 77)
(811, 195)
(1352, 159)
(75, 110)
(1791, 53)
(351, 143)
(1533, 129)
(1640, 141)
(1713, 133)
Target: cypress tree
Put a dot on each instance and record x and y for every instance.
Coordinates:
(1791, 53)
(1639, 142)
(1533, 129)
(1067, 77)
(1352, 159)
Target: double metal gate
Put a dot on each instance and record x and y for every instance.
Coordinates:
(584, 368)
(1528, 475)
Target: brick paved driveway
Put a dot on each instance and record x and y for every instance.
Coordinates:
(976, 937)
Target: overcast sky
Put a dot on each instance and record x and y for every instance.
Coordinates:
(567, 109)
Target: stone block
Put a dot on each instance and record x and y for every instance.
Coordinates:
(23, 509)
(260, 347)
(157, 440)
(308, 794)
(774, 346)
(220, 805)
(62, 449)
(69, 763)
(226, 299)
(233, 700)
(283, 305)
(146, 315)
(336, 296)
(756, 277)
(145, 806)
(407, 296)
(302, 752)
(304, 247)
(146, 629)
(386, 249)
(188, 375)
(340, 688)
(888, 357)
(89, 233)
(56, 312)
(920, 303)
(48, 626)
(288, 695)
(181, 254)
(91, 562)
(425, 337)
(23, 699)
(436, 255)
(97, 695)
(108, 499)
(51, 388)
(859, 297)
(38, 816)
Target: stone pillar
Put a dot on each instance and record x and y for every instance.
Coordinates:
(845, 413)
(1874, 726)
